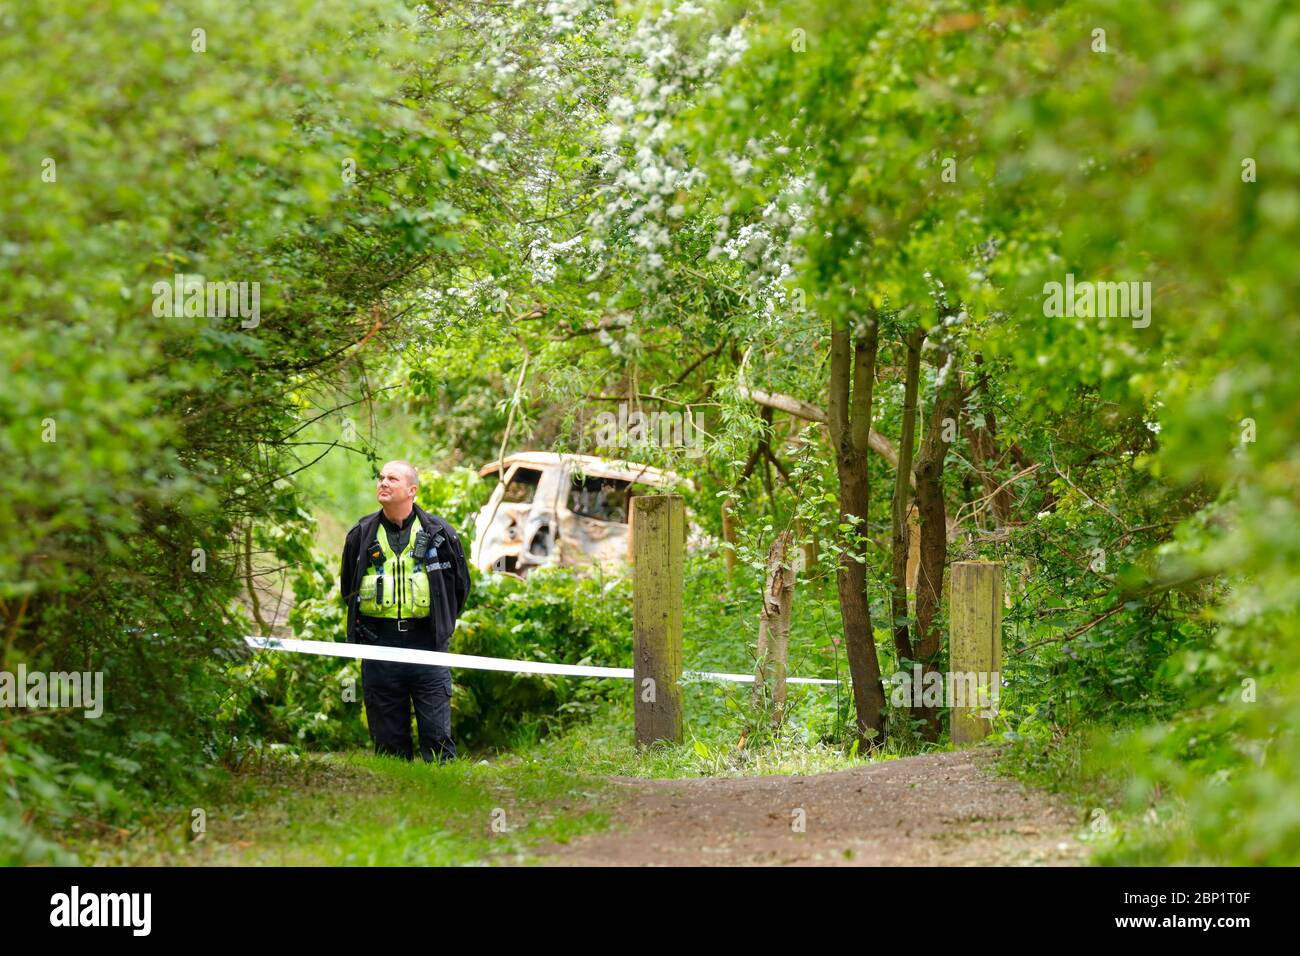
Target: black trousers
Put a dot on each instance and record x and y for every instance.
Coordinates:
(390, 689)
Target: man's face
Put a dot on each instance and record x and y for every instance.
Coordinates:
(395, 485)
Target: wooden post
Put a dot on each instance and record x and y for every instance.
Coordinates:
(659, 545)
(974, 648)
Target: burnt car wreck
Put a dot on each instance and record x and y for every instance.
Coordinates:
(566, 510)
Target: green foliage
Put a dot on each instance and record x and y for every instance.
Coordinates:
(335, 154)
(1153, 558)
(551, 616)
(508, 217)
(456, 495)
(555, 616)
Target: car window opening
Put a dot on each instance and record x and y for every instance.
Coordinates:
(522, 486)
(605, 499)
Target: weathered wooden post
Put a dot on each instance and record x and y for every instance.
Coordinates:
(974, 648)
(659, 546)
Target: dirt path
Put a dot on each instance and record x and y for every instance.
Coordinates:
(943, 809)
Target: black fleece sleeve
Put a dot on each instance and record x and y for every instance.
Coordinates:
(347, 586)
(462, 569)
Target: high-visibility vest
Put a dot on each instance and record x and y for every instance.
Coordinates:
(397, 587)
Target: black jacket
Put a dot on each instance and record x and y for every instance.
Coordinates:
(448, 583)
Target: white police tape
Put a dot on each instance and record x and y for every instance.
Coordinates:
(409, 655)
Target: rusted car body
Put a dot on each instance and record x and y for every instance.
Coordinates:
(570, 510)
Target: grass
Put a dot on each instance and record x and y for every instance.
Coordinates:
(356, 809)
(604, 745)
(1087, 768)
(360, 810)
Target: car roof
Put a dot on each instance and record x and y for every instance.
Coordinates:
(597, 467)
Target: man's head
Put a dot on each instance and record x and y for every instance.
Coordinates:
(398, 482)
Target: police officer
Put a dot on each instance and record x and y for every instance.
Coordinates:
(404, 580)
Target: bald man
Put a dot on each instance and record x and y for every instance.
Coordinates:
(404, 580)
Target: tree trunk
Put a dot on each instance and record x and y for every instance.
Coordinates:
(934, 532)
(984, 449)
(913, 550)
(902, 500)
(774, 626)
(984, 456)
(765, 458)
(853, 360)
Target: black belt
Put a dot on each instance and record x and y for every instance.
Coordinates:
(373, 627)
